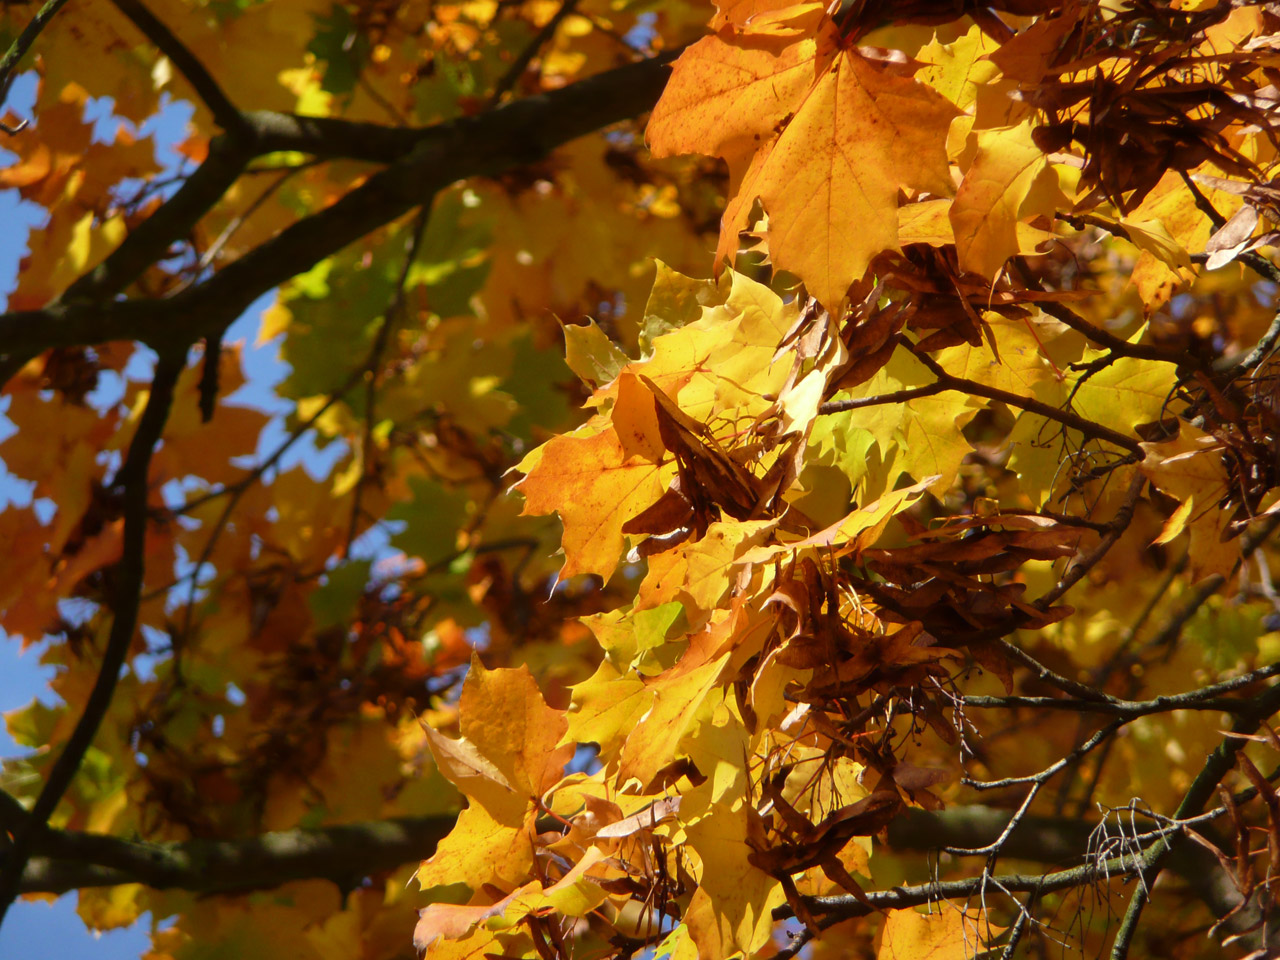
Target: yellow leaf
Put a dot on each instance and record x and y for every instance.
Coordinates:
(590, 354)
(679, 699)
(989, 203)
(855, 532)
(699, 573)
(731, 911)
(956, 70)
(925, 434)
(504, 715)
(829, 214)
(605, 705)
(719, 746)
(946, 933)
(1176, 523)
(479, 850)
(1017, 364)
(1190, 468)
(926, 222)
(109, 908)
(476, 776)
(1125, 394)
(1152, 237)
(275, 321)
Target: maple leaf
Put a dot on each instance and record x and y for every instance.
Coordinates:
(596, 488)
(820, 134)
(943, 934)
(730, 911)
(1010, 181)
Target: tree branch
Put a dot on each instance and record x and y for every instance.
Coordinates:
(1206, 698)
(173, 220)
(18, 49)
(129, 575)
(1215, 768)
(484, 145)
(206, 88)
(67, 860)
(1060, 840)
(521, 62)
(837, 908)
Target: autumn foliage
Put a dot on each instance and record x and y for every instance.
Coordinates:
(766, 480)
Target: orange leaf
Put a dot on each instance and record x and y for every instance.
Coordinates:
(849, 135)
(944, 934)
(596, 488)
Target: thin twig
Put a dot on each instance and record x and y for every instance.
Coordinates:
(1215, 768)
(1039, 779)
(846, 907)
(1050, 676)
(898, 396)
(1261, 266)
(1031, 405)
(394, 313)
(1207, 587)
(237, 491)
(1206, 698)
(215, 248)
(1116, 528)
(206, 88)
(18, 49)
(132, 477)
(1264, 348)
(521, 62)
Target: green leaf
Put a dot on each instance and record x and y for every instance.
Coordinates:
(333, 603)
(431, 519)
(342, 47)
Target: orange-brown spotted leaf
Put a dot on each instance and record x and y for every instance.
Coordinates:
(725, 99)
(777, 18)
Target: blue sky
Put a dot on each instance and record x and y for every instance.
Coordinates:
(52, 931)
